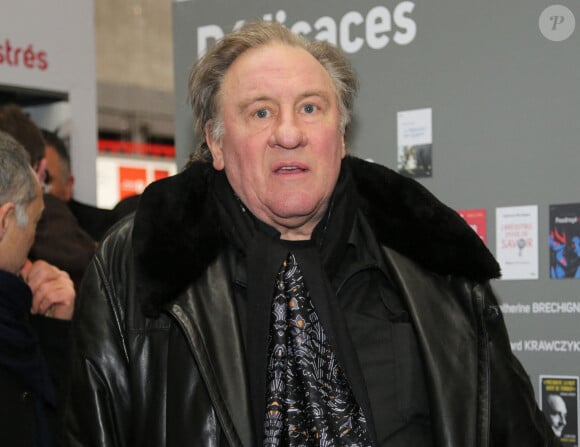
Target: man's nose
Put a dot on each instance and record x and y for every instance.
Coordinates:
(288, 134)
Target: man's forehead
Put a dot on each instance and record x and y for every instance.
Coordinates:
(288, 69)
(275, 58)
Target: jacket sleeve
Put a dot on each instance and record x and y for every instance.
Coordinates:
(515, 418)
(97, 402)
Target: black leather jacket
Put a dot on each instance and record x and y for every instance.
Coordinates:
(177, 376)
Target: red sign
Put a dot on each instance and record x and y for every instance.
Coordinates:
(476, 220)
(160, 173)
(131, 147)
(132, 181)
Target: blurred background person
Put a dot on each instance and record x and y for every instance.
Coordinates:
(36, 306)
(59, 238)
(60, 183)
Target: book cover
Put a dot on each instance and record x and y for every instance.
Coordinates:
(415, 143)
(476, 220)
(559, 403)
(564, 241)
(517, 241)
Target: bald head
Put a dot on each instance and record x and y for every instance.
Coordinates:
(557, 413)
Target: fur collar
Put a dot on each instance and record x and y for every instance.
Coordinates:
(176, 232)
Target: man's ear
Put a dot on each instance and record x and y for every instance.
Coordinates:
(6, 210)
(215, 147)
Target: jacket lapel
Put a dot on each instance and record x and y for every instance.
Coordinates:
(206, 312)
(448, 343)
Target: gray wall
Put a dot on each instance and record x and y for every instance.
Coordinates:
(506, 107)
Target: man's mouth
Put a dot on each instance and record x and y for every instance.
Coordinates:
(289, 168)
(295, 168)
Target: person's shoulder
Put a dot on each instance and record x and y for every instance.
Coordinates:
(53, 206)
(119, 232)
(95, 221)
(117, 240)
(126, 206)
(84, 211)
(408, 218)
(175, 203)
(194, 180)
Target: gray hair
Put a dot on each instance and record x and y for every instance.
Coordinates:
(208, 73)
(18, 183)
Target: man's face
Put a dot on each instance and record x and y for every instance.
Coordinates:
(557, 414)
(16, 241)
(282, 145)
(58, 180)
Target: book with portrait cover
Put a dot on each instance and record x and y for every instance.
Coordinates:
(559, 403)
(564, 241)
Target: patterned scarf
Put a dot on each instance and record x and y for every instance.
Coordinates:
(309, 400)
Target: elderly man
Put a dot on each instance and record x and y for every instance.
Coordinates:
(32, 347)
(278, 292)
(60, 183)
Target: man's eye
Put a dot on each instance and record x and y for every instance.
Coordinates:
(263, 113)
(309, 108)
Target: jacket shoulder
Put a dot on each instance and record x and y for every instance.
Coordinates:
(407, 217)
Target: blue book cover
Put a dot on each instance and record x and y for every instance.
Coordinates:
(564, 241)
